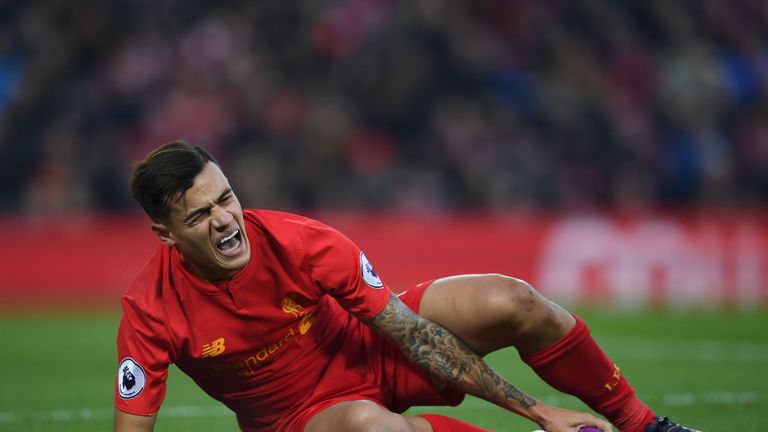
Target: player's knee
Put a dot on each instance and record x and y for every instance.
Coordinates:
(369, 417)
(512, 300)
(504, 294)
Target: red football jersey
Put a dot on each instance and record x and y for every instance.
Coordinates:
(259, 342)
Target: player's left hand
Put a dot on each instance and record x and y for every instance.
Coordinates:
(562, 420)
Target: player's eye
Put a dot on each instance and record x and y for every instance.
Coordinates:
(196, 218)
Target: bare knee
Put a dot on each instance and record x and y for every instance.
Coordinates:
(508, 298)
(359, 416)
(370, 418)
(516, 303)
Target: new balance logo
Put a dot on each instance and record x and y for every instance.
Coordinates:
(214, 348)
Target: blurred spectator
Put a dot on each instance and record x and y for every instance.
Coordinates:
(419, 105)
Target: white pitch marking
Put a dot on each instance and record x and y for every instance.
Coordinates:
(65, 416)
(698, 351)
(710, 398)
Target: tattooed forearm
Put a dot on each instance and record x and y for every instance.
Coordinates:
(445, 356)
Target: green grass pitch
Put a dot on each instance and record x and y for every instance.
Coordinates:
(706, 369)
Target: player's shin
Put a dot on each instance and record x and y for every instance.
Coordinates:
(576, 365)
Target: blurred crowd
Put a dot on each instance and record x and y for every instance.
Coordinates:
(368, 104)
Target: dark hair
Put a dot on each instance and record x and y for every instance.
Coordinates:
(167, 172)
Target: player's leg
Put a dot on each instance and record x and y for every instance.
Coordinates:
(363, 416)
(367, 416)
(490, 312)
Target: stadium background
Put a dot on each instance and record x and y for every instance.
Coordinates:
(614, 153)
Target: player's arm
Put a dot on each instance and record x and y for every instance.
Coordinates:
(125, 422)
(446, 357)
(143, 360)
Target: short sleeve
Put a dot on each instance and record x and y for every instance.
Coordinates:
(143, 360)
(342, 270)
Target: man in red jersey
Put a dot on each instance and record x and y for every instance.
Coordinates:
(285, 321)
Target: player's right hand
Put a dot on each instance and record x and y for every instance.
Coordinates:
(561, 420)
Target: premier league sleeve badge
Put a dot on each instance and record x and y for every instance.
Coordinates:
(130, 378)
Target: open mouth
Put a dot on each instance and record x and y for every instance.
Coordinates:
(230, 243)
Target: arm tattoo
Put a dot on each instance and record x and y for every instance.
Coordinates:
(446, 357)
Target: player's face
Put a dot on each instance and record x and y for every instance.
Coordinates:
(207, 227)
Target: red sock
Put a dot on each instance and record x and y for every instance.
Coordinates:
(576, 365)
(442, 423)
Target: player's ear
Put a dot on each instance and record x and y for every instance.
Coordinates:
(163, 233)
